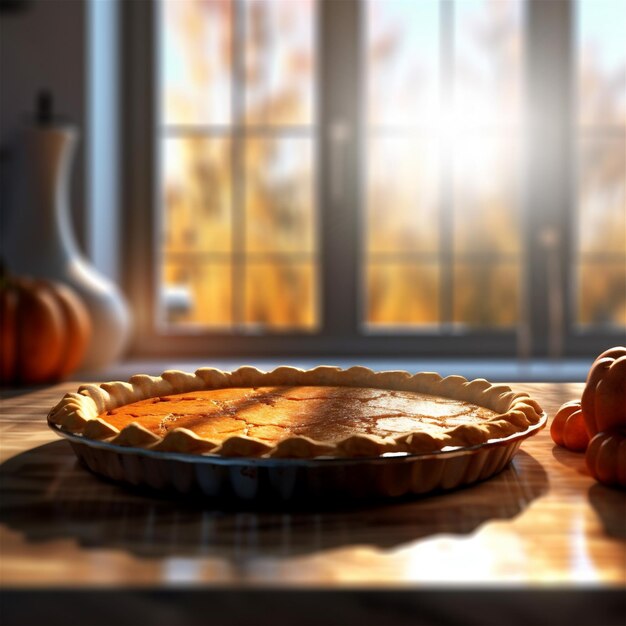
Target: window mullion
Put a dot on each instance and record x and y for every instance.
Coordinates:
(548, 172)
(238, 138)
(340, 136)
(446, 173)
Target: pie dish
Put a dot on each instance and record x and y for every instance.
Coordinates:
(292, 436)
(292, 413)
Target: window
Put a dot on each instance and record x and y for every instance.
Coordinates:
(379, 176)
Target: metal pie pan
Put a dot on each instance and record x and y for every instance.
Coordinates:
(263, 480)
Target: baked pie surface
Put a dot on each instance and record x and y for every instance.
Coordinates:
(294, 413)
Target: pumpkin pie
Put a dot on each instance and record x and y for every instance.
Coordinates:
(293, 413)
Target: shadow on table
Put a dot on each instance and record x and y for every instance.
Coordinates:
(7, 393)
(610, 505)
(572, 460)
(45, 494)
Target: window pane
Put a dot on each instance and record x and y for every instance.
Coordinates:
(486, 294)
(279, 195)
(197, 194)
(279, 54)
(195, 61)
(485, 195)
(402, 294)
(196, 293)
(602, 293)
(487, 62)
(451, 190)
(402, 195)
(602, 62)
(403, 61)
(601, 225)
(281, 296)
(602, 195)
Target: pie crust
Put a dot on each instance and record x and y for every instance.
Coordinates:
(498, 412)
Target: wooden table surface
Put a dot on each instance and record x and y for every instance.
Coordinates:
(543, 521)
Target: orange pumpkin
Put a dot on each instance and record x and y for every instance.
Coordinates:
(604, 397)
(606, 457)
(44, 331)
(568, 427)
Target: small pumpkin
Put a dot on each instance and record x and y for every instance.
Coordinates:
(44, 331)
(568, 427)
(604, 398)
(606, 457)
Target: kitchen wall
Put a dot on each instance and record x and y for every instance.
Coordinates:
(43, 45)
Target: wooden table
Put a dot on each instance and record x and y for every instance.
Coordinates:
(542, 524)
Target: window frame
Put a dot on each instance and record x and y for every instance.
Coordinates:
(541, 331)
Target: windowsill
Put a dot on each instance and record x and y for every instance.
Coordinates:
(497, 370)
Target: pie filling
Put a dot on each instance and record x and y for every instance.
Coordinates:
(293, 413)
(274, 414)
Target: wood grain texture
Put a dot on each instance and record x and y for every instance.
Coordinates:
(542, 521)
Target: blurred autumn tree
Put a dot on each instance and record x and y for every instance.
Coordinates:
(601, 131)
(239, 212)
(248, 255)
